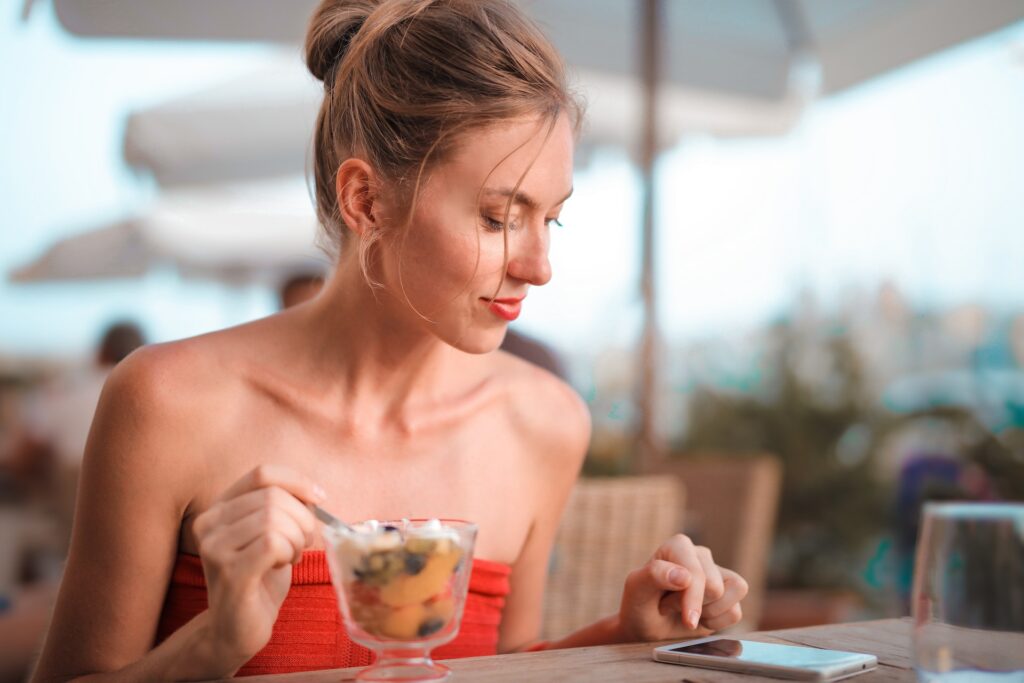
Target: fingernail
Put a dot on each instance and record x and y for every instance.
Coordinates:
(319, 492)
(692, 618)
(677, 577)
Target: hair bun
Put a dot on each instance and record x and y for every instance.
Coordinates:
(331, 29)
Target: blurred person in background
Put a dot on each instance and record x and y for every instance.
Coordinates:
(534, 351)
(443, 152)
(299, 288)
(48, 451)
(57, 421)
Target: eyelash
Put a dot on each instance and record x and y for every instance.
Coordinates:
(497, 226)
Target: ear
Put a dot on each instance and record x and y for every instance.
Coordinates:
(355, 186)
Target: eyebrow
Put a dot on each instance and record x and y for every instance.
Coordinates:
(520, 197)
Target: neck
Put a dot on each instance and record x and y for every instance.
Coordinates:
(369, 352)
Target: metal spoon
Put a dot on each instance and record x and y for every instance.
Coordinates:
(329, 519)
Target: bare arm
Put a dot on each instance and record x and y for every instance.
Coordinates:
(124, 542)
(561, 424)
(679, 592)
(143, 463)
(521, 622)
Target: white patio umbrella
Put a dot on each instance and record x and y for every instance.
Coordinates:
(256, 125)
(257, 233)
(734, 46)
(728, 68)
(261, 123)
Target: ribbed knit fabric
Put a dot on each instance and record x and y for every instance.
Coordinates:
(309, 633)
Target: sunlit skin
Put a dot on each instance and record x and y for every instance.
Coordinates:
(378, 404)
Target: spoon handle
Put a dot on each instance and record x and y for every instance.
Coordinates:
(327, 518)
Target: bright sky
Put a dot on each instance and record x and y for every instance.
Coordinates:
(916, 177)
(61, 124)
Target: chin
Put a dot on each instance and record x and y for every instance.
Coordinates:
(477, 341)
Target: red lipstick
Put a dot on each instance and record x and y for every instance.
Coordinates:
(506, 309)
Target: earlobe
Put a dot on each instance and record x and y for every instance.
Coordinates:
(354, 187)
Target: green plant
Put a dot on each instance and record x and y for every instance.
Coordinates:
(833, 505)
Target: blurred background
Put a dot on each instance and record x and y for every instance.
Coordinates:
(825, 211)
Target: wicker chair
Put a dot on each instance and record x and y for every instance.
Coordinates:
(610, 527)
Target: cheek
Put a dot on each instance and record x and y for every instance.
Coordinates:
(451, 259)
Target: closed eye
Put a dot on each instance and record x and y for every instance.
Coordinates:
(495, 225)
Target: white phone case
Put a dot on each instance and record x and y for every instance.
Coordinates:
(854, 665)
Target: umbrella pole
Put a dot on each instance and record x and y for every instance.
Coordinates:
(649, 450)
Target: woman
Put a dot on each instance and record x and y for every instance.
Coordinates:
(442, 154)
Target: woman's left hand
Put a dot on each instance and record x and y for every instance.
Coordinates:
(679, 592)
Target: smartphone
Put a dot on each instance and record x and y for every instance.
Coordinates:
(767, 659)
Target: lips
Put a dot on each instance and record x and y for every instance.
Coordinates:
(506, 309)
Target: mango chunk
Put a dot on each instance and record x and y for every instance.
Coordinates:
(432, 579)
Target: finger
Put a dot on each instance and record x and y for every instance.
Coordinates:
(680, 549)
(228, 511)
(268, 551)
(657, 576)
(263, 522)
(669, 605)
(714, 585)
(231, 511)
(735, 590)
(730, 617)
(262, 476)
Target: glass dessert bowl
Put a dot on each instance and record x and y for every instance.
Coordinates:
(401, 589)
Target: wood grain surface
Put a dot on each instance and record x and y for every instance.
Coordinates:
(889, 640)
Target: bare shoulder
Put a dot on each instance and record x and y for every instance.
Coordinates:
(161, 403)
(550, 414)
(184, 374)
(142, 465)
(136, 440)
(170, 379)
(154, 375)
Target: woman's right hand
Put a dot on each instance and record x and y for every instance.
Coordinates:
(248, 541)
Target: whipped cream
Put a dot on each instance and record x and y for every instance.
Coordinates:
(432, 529)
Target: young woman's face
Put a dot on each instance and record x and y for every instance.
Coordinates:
(449, 264)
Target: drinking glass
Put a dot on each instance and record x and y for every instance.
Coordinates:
(401, 589)
(968, 595)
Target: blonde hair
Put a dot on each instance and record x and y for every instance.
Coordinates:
(403, 79)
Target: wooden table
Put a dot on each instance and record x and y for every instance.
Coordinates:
(889, 640)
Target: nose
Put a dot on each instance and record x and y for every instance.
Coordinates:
(528, 257)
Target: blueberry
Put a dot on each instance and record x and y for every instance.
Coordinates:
(429, 627)
(414, 563)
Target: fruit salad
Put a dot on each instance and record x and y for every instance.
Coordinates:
(400, 581)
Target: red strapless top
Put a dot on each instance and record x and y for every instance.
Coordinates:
(309, 633)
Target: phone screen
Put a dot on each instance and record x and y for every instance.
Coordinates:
(769, 653)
